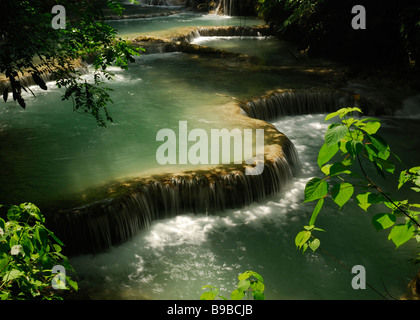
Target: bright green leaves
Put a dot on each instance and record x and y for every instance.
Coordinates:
(342, 113)
(341, 193)
(356, 141)
(412, 175)
(369, 127)
(326, 153)
(24, 211)
(28, 252)
(383, 221)
(363, 200)
(302, 239)
(87, 37)
(380, 145)
(211, 294)
(354, 147)
(250, 282)
(317, 209)
(315, 189)
(401, 233)
(335, 133)
(314, 244)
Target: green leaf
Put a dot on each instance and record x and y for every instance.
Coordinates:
(326, 153)
(339, 168)
(401, 233)
(335, 133)
(315, 189)
(404, 177)
(332, 115)
(326, 169)
(380, 144)
(55, 238)
(383, 221)
(385, 165)
(237, 295)
(33, 211)
(41, 235)
(207, 296)
(341, 193)
(342, 112)
(317, 209)
(415, 170)
(371, 127)
(245, 275)
(257, 276)
(243, 285)
(258, 295)
(314, 244)
(301, 238)
(363, 200)
(13, 274)
(354, 147)
(257, 286)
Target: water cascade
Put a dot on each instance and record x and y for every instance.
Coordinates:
(230, 31)
(107, 215)
(285, 102)
(121, 209)
(206, 224)
(280, 103)
(98, 225)
(27, 80)
(163, 2)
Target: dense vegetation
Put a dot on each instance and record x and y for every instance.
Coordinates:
(350, 147)
(323, 27)
(31, 263)
(31, 45)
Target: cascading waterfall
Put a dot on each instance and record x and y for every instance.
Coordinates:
(225, 7)
(156, 45)
(163, 2)
(27, 80)
(231, 31)
(230, 7)
(98, 225)
(101, 224)
(297, 102)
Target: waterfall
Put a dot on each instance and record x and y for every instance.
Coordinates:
(255, 31)
(157, 45)
(164, 2)
(98, 225)
(297, 102)
(27, 80)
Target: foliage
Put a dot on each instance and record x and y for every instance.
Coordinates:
(31, 46)
(250, 282)
(324, 27)
(28, 253)
(355, 142)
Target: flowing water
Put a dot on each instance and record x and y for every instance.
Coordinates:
(175, 257)
(47, 151)
(167, 24)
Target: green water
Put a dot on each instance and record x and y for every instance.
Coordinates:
(48, 151)
(136, 27)
(175, 257)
